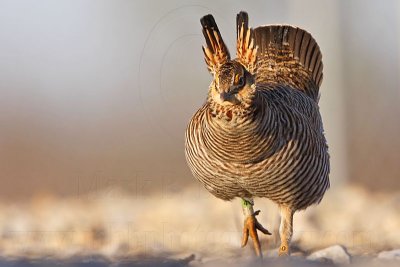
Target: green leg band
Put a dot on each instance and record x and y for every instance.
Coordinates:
(246, 203)
(247, 206)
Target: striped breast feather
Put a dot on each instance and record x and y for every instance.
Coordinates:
(289, 56)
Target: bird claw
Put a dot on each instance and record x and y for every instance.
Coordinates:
(251, 225)
(259, 226)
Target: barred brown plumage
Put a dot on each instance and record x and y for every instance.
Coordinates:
(260, 133)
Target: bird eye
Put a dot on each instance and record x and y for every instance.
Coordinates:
(236, 81)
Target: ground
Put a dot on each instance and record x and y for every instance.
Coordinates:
(190, 227)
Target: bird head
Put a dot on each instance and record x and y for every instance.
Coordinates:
(232, 84)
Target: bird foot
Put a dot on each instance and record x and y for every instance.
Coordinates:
(251, 225)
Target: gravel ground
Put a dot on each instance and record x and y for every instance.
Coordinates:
(350, 227)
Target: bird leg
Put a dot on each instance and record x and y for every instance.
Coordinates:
(251, 225)
(285, 230)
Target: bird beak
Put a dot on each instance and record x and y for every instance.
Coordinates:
(224, 96)
(228, 97)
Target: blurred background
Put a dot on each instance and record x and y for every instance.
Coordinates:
(95, 97)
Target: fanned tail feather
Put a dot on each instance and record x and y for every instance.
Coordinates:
(290, 56)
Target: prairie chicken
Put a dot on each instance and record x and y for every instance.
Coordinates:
(260, 133)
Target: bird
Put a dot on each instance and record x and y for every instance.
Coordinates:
(259, 133)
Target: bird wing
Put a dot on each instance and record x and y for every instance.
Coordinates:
(215, 52)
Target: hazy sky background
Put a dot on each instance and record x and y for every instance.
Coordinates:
(98, 93)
